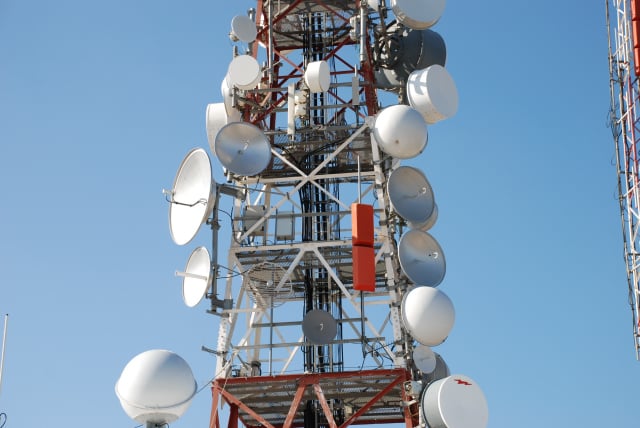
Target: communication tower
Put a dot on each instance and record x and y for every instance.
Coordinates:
(623, 22)
(327, 300)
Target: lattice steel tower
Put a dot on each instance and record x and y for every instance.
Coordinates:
(327, 299)
(624, 68)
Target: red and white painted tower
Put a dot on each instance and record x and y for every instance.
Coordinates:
(327, 300)
(623, 20)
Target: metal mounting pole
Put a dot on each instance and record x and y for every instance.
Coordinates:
(4, 342)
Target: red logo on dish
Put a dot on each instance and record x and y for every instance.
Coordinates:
(462, 382)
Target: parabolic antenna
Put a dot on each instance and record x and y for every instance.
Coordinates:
(424, 359)
(319, 327)
(418, 14)
(434, 49)
(421, 258)
(156, 386)
(243, 72)
(427, 224)
(192, 196)
(405, 51)
(265, 285)
(440, 372)
(242, 148)
(317, 76)
(196, 277)
(400, 131)
(428, 315)
(411, 194)
(243, 29)
(455, 402)
(433, 93)
(216, 118)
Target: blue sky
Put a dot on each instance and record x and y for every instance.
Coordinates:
(99, 103)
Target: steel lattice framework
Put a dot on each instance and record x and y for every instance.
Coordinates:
(625, 125)
(291, 236)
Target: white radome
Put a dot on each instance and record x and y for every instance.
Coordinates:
(243, 29)
(156, 386)
(455, 402)
(401, 131)
(317, 76)
(428, 315)
(243, 72)
(433, 93)
(418, 14)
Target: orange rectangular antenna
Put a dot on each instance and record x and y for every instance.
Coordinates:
(362, 224)
(364, 268)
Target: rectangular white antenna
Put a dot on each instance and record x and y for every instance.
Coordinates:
(291, 108)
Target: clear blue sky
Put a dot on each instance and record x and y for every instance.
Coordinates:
(99, 103)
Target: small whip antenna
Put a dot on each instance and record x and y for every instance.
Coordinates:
(4, 342)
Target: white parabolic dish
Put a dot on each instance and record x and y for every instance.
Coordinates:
(411, 194)
(455, 402)
(216, 118)
(156, 386)
(243, 29)
(401, 131)
(422, 258)
(441, 371)
(428, 315)
(243, 72)
(427, 224)
(418, 14)
(191, 196)
(197, 277)
(433, 93)
(424, 359)
(243, 148)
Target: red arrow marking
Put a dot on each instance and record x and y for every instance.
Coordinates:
(462, 382)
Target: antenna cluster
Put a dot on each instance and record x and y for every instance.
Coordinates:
(331, 235)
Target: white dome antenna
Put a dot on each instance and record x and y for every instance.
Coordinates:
(156, 387)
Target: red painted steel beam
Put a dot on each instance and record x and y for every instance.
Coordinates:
(325, 407)
(233, 400)
(214, 421)
(294, 405)
(401, 378)
(233, 416)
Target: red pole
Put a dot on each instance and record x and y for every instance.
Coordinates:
(233, 416)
